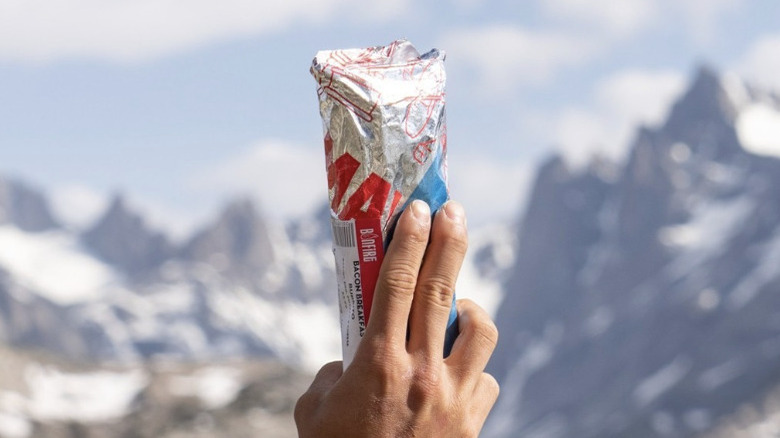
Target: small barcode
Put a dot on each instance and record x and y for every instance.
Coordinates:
(344, 234)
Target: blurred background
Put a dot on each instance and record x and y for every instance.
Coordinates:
(165, 262)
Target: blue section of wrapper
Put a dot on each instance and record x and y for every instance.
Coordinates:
(433, 190)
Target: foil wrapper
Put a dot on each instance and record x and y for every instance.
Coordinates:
(385, 134)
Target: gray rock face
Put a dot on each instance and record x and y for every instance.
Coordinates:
(238, 243)
(123, 239)
(24, 207)
(647, 305)
(29, 321)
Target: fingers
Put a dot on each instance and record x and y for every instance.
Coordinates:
(398, 277)
(436, 282)
(475, 342)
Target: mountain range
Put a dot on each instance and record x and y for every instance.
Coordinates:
(120, 290)
(645, 296)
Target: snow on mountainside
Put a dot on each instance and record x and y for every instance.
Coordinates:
(758, 117)
(490, 256)
(54, 264)
(647, 304)
(121, 291)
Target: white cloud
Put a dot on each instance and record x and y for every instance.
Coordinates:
(619, 17)
(640, 95)
(505, 58)
(467, 5)
(624, 18)
(177, 222)
(579, 133)
(77, 205)
(288, 179)
(491, 190)
(621, 101)
(131, 30)
(761, 63)
(702, 16)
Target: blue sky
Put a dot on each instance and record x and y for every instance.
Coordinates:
(183, 103)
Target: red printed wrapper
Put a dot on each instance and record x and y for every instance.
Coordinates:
(385, 145)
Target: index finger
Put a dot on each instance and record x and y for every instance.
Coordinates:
(432, 302)
(398, 276)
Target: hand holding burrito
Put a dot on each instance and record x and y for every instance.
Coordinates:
(401, 388)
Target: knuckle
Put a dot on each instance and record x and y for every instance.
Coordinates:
(409, 238)
(381, 368)
(378, 358)
(454, 238)
(398, 280)
(487, 332)
(438, 289)
(491, 385)
(304, 406)
(425, 386)
(466, 303)
(327, 369)
(400, 275)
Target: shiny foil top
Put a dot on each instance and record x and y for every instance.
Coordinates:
(385, 132)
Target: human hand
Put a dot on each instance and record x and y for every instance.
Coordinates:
(404, 388)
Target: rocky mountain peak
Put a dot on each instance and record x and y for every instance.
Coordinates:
(237, 242)
(24, 207)
(703, 118)
(122, 238)
(560, 223)
(628, 299)
(705, 99)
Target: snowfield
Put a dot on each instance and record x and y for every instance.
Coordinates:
(758, 127)
(55, 265)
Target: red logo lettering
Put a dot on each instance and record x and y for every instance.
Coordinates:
(370, 198)
(340, 172)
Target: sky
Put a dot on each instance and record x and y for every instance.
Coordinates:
(182, 105)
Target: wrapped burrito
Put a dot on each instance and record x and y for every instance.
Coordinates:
(385, 133)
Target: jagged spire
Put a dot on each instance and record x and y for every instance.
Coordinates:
(238, 241)
(24, 207)
(705, 101)
(122, 238)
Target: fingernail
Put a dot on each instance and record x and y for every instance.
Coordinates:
(455, 212)
(421, 211)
